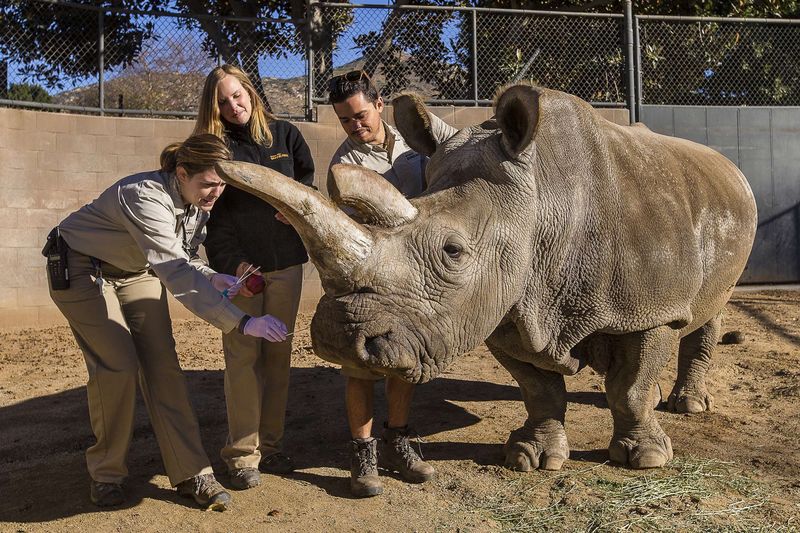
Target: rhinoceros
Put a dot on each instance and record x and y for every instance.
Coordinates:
(556, 237)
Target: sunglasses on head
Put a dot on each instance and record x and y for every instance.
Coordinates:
(353, 76)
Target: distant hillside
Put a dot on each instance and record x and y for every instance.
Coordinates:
(178, 92)
(169, 91)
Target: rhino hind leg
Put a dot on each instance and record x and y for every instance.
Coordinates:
(631, 387)
(690, 394)
(541, 443)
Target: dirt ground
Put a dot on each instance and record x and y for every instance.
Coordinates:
(736, 468)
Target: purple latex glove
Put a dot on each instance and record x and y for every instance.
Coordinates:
(267, 327)
(226, 285)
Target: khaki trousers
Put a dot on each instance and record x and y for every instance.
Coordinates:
(257, 373)
(125, 332)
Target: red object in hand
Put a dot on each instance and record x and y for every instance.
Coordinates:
(255, 283)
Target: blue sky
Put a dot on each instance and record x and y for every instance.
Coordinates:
(288, 67)
(365, 20)
(163, 49)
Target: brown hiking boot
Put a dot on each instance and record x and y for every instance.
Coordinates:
(206, 491)
(277, 463)
(245, 478)
(397, 454)
(364, 480)
(106, 494)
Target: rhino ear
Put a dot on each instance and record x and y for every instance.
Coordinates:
(517, 115)
(411, 118)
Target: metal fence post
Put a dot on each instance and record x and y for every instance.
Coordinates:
(309, 111)
(475, 57)
(637, 43)
(101, 49)
(3, 78)
(629, 61)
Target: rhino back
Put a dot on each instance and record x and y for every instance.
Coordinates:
(634, 229)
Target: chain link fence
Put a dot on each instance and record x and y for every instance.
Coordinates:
(76, 57)
(727, 62)
(462, 55)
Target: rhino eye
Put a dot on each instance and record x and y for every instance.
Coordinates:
(453, 250)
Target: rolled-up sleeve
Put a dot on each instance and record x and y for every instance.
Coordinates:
(440, 129)
(149, 218)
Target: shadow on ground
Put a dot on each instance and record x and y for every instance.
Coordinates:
(53, 471)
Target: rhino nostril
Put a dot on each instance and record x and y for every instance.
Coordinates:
(365, 290)
(375, 346)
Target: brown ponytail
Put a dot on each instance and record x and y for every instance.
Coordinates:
(196, 154)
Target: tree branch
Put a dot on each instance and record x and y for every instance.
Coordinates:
(389, 28)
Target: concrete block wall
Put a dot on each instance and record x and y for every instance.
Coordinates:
(764, 142)
(53, 163)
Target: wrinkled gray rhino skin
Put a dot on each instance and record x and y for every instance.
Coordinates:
(558, 238)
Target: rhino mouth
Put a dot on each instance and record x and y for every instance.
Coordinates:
(375, 346)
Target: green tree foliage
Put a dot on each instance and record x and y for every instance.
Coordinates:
(53, 42)
(28, 92)
(701, 8)
(273, 28)
(698, 62)
(431, 51)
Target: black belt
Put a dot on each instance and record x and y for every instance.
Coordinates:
(109, 271)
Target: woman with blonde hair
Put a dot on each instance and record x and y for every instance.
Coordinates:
(246, 233)
(124, 250)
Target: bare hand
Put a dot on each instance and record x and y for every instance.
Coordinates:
(279, 216)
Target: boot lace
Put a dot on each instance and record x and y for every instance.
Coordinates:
(367, 458)
(402, 445)
(206, 485)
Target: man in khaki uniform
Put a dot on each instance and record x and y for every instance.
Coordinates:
(376, 145)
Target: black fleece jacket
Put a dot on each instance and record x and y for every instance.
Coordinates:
(243, 227)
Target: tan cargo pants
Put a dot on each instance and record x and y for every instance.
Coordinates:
(257, 373)
(125, 332)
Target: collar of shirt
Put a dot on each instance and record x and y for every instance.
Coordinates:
(238, 132)
(368, 148)
(181, 207)
(184, 213)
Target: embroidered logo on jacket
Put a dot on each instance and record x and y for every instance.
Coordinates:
(279, 155)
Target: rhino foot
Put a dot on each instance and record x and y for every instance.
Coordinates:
(533, 448)
(690, 401)
(648, 452)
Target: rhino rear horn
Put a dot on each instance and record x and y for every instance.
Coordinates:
(414, 124)
(376, 200)
(337, 244)
(517, 115)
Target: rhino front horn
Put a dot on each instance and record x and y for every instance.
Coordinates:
(336, 243)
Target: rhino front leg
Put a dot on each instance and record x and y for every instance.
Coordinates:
(541, 442)
(690, 394)
(631, 384)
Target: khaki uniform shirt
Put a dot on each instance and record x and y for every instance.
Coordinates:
(141, 223)
(394, 160)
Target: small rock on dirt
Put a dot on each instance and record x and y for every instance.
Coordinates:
(732, 337)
